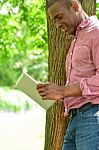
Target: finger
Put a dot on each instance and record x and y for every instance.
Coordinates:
(39, 85)
(42, 94)
(44, 98)
(41, 89)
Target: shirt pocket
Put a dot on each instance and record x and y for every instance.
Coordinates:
(82, 56)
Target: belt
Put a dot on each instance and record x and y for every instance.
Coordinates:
(75, 111)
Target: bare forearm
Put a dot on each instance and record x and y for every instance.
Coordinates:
(72, 90)
(54, 91)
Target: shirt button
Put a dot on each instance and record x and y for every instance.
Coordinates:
(70, 54)
(67, 82)
(66, 109)
(69, 68)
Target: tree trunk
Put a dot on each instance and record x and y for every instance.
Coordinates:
(58, 44)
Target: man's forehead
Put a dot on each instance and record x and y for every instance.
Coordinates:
(55, 9)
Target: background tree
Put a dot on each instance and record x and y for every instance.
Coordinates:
(23, 40)
(58, 44)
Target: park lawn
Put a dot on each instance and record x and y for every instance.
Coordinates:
(23, 130)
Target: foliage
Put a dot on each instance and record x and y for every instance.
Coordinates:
(23, 40)
(97, 8)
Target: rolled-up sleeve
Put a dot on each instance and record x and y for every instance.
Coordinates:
(90, 86)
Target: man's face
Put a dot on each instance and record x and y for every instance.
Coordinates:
(65, 18)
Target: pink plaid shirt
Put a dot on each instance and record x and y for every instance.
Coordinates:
(82, 64)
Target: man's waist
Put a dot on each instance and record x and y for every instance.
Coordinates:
(75, 111)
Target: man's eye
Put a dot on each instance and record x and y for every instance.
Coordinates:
(60, 17)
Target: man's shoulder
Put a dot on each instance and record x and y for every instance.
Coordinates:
(94, 24)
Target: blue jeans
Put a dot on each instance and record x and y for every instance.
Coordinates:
(83, 130)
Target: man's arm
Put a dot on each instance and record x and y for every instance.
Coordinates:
(56, 92)
(72, 90)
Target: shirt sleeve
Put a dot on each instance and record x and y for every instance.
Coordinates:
(90, 86)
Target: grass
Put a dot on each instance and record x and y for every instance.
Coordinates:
(22, 122)
(14, 100)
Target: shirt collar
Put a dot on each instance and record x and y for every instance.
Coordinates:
(86, 22)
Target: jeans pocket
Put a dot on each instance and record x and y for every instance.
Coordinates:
(90, 112)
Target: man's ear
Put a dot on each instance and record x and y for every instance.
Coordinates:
(75, 5)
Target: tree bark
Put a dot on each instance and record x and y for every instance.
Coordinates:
(58, 45)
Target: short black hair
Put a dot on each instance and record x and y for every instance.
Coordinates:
(51, 2)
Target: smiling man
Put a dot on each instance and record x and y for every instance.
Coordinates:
(81, 92)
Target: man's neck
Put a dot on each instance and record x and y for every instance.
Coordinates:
(82, 16)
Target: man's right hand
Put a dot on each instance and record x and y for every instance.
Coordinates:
(50, 91)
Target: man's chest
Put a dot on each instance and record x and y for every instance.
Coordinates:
(80, 53)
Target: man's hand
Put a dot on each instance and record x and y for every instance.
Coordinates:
(50, 91)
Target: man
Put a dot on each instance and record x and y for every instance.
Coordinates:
(81, 92)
